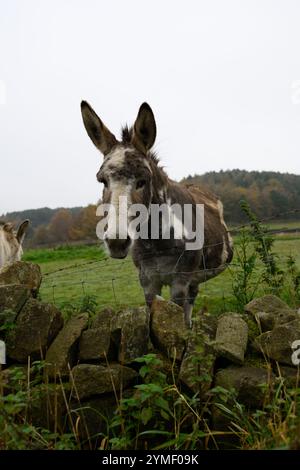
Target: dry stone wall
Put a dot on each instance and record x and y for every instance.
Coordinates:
(95, 357)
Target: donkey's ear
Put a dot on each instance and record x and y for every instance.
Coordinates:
(97, 131)
(144, 129)
(21, 231)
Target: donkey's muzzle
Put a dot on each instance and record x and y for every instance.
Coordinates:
(118, 248)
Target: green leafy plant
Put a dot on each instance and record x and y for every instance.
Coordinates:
(272, 274)
(272, 426)
(294, 276)
(158, 415)
(18, 395)
(87, 303)
(245, 276)
(9, 321)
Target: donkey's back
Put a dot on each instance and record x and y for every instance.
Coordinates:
(168, 263)
(217, 251)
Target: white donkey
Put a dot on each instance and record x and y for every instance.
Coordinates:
(11, 242)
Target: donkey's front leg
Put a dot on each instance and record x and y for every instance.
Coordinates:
(151, 286)
(180, 295)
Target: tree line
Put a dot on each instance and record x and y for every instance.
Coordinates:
(269, 194)
(50, 227)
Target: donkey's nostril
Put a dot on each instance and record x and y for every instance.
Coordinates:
(118, 248)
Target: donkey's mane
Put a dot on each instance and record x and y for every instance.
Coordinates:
(126, 134)
(126, 139)
(7, 226)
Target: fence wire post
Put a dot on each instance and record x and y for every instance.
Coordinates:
(83, 289)
(53, 295)
(113, 289)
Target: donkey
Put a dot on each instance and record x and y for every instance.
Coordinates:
(11, 242)
(130, 168)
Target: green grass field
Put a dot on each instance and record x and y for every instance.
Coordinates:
(72, 273)
(279, 224)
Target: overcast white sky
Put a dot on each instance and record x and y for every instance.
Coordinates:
(222, 77)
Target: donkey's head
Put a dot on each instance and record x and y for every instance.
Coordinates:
(11, 242)
(126, 172)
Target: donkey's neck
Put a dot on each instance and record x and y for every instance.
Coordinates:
(167, 191)
(164, 192)
(160, 183)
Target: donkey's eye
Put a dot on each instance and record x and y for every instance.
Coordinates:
(140, 184)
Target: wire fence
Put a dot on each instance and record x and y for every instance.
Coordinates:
(116, 282)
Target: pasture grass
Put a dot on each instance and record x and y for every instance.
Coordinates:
(70, 273)
(276, 224)
(63, 253)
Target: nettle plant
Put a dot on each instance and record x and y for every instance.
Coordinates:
(245, 277)
(157, 415)
(258, 268)
(272, 273)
